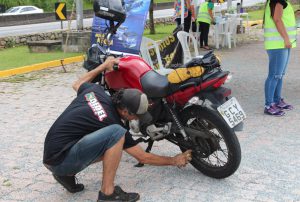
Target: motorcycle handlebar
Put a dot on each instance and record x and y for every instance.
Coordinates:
(116, 67)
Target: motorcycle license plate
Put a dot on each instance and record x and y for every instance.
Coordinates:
(232, 112)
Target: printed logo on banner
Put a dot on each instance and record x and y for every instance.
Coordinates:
(170, 51)
(129, 35)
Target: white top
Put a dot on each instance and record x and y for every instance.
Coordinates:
(197, 2)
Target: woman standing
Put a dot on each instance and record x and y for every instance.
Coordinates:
(187, 14)
(280, 34)
(205, 18)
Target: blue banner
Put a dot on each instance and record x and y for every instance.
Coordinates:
(129, 35)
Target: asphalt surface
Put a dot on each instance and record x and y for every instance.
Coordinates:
(56, 26)
(269, 170)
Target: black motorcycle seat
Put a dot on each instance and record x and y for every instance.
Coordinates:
(155, 85)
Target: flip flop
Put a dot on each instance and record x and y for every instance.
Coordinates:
(206, 48)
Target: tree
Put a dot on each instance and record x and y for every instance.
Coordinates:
(151, 19)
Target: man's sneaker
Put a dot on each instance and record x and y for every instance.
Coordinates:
(118, 195)
(284, 106)
(69, 182)
(274, 111)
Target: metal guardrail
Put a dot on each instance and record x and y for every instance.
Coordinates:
(161, 6)
(14, 20)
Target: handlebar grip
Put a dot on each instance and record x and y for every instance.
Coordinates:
(116, 67)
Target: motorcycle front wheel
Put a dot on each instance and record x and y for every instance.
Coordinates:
(218, 156)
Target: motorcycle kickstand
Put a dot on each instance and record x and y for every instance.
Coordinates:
(148, 149)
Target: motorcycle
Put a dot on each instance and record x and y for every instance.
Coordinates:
(198, 114)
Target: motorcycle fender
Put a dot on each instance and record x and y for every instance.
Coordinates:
(239, 127)
(215, 97)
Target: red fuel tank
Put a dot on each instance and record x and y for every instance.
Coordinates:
(131, 69)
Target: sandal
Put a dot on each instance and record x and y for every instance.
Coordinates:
(206, 48)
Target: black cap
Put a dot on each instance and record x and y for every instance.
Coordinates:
(137, 103)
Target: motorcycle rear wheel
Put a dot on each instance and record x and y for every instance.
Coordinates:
(221, 162)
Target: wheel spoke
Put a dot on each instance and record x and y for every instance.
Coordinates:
(220, 156)
(225, 153)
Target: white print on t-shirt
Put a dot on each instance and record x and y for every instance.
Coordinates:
(95, 106)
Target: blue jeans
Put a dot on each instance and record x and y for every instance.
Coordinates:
(88, 150)
(278, 61)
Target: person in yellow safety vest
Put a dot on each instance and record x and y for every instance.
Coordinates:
(280, 35)
(205, 18)
(188, 13)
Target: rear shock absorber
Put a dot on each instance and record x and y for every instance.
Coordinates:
(176, 120)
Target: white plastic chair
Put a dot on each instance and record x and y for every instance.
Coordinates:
(148, 44)
(185, 39)
(229, 33)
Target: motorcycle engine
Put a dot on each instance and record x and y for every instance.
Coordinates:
(160, 125)
(155, 132)
(134, 126)
(158, 132)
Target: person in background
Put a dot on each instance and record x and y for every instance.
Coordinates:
(280, 34)
(188, 12)
(195, 4)
(205, 18)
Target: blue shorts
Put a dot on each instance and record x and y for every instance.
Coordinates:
(88, 150)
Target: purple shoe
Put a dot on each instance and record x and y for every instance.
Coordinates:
(274, 111)
(284, 106)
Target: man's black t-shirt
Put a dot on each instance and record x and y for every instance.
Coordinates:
(91, 110)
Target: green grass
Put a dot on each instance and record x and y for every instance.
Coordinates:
(259, 14)
(87, 5)
(161, 31)
(256, 15)
(20, 56)
(296, 7)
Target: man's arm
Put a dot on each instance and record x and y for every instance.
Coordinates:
(179, 160)
(211, 14)
(210, 11)
(89, 76)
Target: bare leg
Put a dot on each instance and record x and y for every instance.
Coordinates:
(111, 160)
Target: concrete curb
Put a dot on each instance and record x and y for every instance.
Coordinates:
(35, 67)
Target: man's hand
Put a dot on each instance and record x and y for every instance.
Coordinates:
(287, 43)
(110, 62)
(143, 157)
(89, 76)
(181, 160)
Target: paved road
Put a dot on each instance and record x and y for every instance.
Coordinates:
(39, 28)
(55, 26)
(269, 170)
